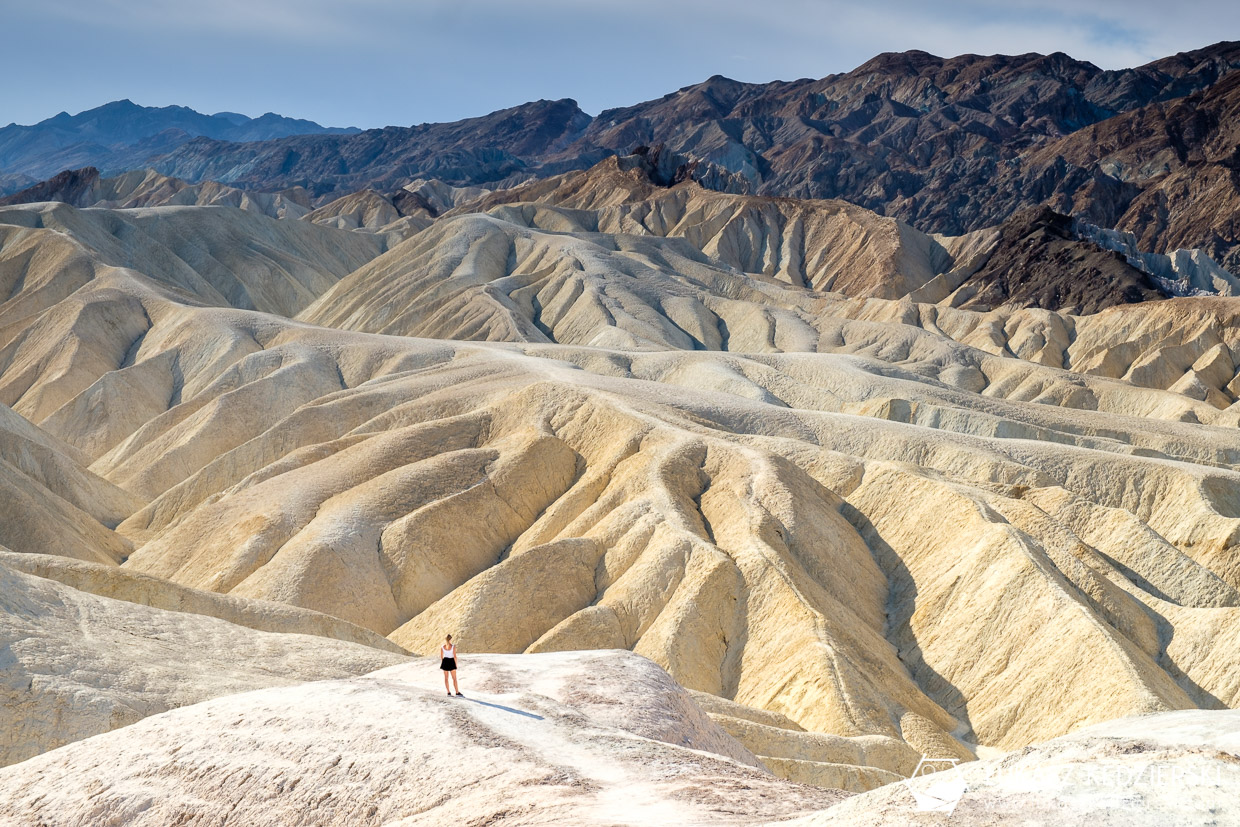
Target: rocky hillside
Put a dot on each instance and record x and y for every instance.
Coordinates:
(580, 738)
(591, 738)
(1037, 258)
(910, 134)
(86, 187)
(1040, 259)
(493, 148)
(1165, 172)
(948, 145)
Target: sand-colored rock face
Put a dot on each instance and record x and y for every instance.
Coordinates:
(147, 188)
(222, 256)
(825, 245)
(605, 258)
(371, 212)
(874, 528)
(597, 738)
(50, 502)
(133, 587)
(709, 530)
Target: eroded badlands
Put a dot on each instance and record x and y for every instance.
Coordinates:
(765, 444)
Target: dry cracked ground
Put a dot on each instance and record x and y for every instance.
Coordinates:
(248, 465)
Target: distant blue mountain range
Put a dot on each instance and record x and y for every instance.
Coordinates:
(122, 135)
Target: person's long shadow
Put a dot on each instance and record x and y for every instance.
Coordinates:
(507, 709)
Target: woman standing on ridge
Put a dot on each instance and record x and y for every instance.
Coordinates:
(447, 655)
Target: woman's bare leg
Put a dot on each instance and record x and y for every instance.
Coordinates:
(454, 684)
(445, 681)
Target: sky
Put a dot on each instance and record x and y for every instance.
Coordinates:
(370, 63)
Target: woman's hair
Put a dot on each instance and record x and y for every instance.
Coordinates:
(449, 637)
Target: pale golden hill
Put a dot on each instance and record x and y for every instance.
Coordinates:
(821, 244)
(370, 212)
(891, 527)
(216, 255)
(50, 502)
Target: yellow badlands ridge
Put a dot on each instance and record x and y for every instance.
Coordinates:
(856, 527)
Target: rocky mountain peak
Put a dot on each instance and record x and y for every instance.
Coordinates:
(73, 186)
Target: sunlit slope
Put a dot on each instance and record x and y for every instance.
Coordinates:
(80, 664)
(592, 738)
(688, 269)
(217, 255)
(745, 521)
(902, 525)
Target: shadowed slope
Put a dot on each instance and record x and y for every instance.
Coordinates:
(50, 503)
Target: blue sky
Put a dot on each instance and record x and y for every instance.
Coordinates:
(376, 62)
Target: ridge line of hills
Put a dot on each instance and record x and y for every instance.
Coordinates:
(122, 135)
(949, 145)
(1035, 258)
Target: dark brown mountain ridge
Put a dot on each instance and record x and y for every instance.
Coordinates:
(1039, 260)
(947, 144)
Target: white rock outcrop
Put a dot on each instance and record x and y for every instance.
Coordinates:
(1175, 768)
(590, 738)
